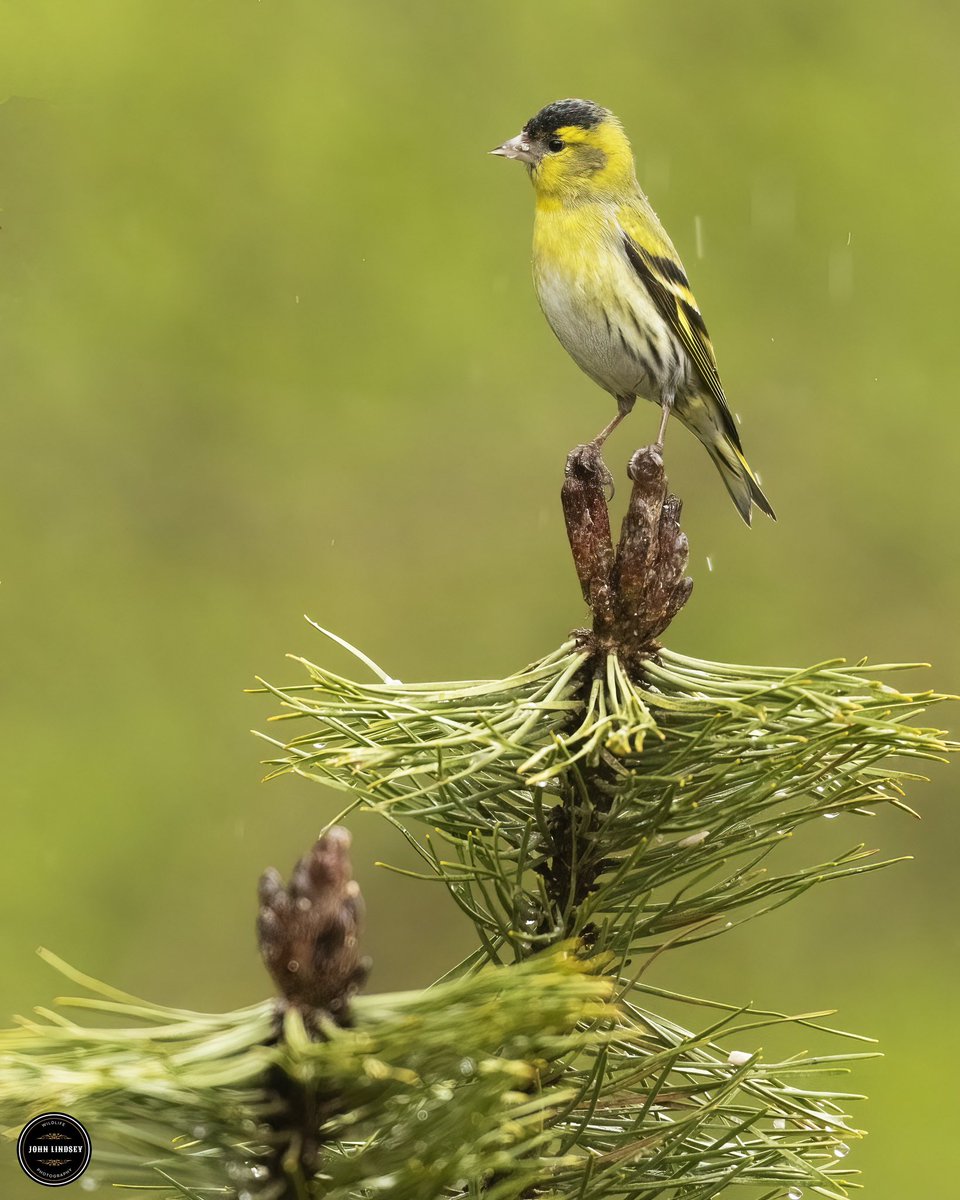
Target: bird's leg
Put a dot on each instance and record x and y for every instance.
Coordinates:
(624, 406)
(592, 449)
(607, 430)
(667, 405)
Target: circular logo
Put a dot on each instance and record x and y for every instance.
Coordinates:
(54, 1149)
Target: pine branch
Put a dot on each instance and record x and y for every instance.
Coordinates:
(695, 774)
(593, 811)
(189, 1098)
(630, 797)
(309, 941)
(487, 1075)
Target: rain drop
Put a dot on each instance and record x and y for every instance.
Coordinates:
(694, 839)
(698, 236)
(467, 1066)
(795, 1193)
(841, 1150)
(830, 816)
(737, 1058)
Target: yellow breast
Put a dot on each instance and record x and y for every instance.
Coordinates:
(571, 238)
(594, 301)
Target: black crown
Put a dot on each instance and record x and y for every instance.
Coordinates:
(555, 116)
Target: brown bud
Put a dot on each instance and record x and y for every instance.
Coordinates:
(308, 931)
(635, 593)
(588, 523)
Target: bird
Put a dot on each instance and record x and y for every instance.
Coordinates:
(613, 289)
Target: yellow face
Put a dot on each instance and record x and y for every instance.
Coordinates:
(575, 151)
(574, 162)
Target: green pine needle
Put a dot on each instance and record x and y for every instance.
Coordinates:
(588, 816)
(526, 1078)
(697, 772)
(636, 809)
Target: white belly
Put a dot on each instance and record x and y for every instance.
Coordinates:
(610, 326)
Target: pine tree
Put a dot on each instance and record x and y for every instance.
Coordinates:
(608, 803)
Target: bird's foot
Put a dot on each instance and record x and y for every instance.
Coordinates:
(646, 463)
(587, 462)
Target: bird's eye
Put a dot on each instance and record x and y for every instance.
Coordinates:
(554, 145)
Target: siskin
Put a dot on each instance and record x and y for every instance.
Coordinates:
(613, 288)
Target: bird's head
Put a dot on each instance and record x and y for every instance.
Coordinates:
(574, 150)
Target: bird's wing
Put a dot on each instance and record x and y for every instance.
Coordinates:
(652, 256)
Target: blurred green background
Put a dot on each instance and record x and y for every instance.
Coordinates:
(269, 346)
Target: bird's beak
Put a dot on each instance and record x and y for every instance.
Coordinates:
(517, 147)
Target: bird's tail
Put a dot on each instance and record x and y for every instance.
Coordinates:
(737, 477)
(714, 426)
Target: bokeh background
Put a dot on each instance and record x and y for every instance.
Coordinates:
(268, 345)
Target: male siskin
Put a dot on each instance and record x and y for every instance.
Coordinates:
(613, 288)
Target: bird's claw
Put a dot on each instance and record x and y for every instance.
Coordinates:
(646, 464)
(586, 461)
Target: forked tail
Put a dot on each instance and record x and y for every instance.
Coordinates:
(737, 477)
(713, 424)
